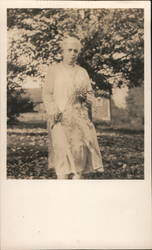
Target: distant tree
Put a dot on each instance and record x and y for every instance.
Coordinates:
(113, 44)
(113, 41)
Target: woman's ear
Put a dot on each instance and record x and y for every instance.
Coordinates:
(61, 52)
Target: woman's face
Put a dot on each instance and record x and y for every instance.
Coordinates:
(70, 52)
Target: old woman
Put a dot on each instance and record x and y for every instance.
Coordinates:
(67, 94)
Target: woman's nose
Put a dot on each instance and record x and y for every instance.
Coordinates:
(73, 52)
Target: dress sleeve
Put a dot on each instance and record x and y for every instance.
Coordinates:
(90, 92)
(90, 98)
(47, 93)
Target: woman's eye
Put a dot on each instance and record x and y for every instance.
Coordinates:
(75, 50)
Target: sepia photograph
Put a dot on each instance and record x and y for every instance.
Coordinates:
(75, 93)
(75, 130)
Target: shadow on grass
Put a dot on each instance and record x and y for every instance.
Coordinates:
(25, 125)
(120, 130)
(100, 127)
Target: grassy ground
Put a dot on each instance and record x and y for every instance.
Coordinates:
(122, 151)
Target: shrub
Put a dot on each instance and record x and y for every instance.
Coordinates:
(17, 103)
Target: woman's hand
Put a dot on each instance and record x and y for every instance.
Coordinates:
(55, 118)
(89, 101)
(90, 98)
(82, 97)
(58, 117)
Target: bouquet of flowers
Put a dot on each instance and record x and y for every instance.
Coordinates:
(84, 96)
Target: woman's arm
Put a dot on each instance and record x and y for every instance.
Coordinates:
(90, 98)
(48, 96)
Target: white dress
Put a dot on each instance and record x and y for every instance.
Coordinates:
(73, 146)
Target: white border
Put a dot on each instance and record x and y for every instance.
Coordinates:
(89, 214)
(75, 4)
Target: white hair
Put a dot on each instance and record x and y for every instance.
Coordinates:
(71, 39)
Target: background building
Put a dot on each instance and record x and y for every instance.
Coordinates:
(125, 106)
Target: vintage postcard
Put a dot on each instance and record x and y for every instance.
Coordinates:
(75, 125)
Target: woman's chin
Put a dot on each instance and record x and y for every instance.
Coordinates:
(72, 62)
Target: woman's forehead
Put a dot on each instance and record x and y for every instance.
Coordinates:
(71, 45)
(71, 42)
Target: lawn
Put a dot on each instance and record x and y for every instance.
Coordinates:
(122, 152)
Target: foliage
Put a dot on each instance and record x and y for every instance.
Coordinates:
(17, 102)
(123, 155)
(113, 43)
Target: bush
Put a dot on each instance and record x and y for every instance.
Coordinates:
(17, 103)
